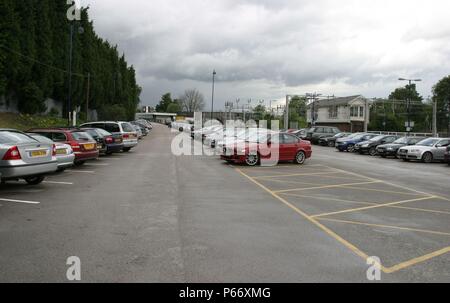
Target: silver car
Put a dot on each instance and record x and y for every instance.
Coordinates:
(22, 157)
(428, 150)
(64, 152)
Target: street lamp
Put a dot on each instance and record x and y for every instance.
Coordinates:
(408, 104)
(69, 102)
(212, 99)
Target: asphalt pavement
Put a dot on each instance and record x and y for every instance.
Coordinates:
(151, 216)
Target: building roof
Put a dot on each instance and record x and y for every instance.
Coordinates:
(335, 101)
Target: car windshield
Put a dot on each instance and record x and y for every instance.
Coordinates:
(7, 137)
(403, 140)
(428, 142)
(82, 136)
(357, 136)
(103, 132)
(377, 138)
(127, 128)
(41, 139)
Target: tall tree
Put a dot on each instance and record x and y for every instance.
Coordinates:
(441, 95)
(165, 101)
(192, 101)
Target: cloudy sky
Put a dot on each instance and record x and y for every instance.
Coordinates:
(265, 49)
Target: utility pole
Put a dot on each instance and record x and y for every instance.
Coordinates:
(87, 96)
(408, 103)
(212, 99)
(286, 113)
(69, 101)
(435, 131)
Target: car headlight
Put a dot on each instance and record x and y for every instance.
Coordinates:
(390, 148)
(415, 151)
(365, 145)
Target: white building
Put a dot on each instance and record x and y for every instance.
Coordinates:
(350, 114)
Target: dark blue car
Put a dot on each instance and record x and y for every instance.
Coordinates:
(348, 143)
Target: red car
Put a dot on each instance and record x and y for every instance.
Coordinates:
(271, 148)
(83, 145)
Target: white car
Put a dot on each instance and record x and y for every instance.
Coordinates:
(428, 150)
(201, 134)
(212, 139)
(182, 126)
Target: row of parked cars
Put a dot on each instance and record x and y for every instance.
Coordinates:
(250, 146)
(412, 148)
(33, 154)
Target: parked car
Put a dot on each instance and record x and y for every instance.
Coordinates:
(201, 134)
(300, 133)
(123, 132)
(427, 150)
(259, 147)
(447, 155)
(145, 127)
(63, 152)
(212, 139)
(241, 136)
(315, 133)
(182, 126)
(140, 128)
(22, 157)
(370, 146)
(330, 141)
(106, 143)
(391, 149)
(83, 145)
(348, 143)
(138, 131)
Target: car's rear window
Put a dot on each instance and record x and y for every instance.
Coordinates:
(128, 128)
(42, 139)
(103, 132)
(82, 136)
(7, 137)
(112, 127)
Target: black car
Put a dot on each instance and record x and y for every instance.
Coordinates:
(390, 150)
(315, 133)
(371, 145)
(331, 140)
(107, 143)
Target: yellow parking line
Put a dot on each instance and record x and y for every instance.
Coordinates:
(384, 191)
(368, 203)
(417, 260)
(371, 207)
(292, 175)
(288, 182)
(281, 167)
(330, 199)
(325, 186)
(385, 226)
(338, 238)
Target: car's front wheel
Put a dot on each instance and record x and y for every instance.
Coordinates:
(252, 159)
(35, 180)
(126, 149)
(373, 151)
(79, 163)
(351, 148)
(331, 144)
(427, 157)
(300, 158)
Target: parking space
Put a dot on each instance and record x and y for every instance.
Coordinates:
(371, 217)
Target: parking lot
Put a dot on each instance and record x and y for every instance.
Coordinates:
(150, 216)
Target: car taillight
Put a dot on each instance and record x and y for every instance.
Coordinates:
(126, 136)
(12, 154)
(109, 140)
(75, 146)
(54, 150)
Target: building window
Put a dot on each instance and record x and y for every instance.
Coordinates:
(361, 111)
(353, 111)
(333, 112)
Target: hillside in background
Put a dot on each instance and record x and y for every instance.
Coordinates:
(34, 60)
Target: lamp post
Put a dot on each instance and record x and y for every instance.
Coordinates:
(213, 88)
(408, 104)
(69, 101)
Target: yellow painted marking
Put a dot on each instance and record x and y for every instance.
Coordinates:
(329, 199)
(292, 175)
(325, 186)
(386, 226)
(383, 191)
(417, 260)
(350, 246)
(280, 167)
(287, 182)
(368, 203)
(371, 207)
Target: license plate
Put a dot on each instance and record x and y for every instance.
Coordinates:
(38, 153)
(89, 146)
(61, 152)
